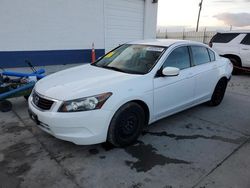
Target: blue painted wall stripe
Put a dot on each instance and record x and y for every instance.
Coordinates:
(10, 59)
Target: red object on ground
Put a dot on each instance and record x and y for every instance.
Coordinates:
(93, 53)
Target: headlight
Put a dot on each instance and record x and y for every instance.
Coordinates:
(85, 104)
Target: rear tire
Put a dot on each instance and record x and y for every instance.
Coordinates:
(126, 125)
(218, 93)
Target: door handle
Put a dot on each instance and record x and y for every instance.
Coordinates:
(245, 49)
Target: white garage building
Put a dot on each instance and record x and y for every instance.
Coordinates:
(52, 32)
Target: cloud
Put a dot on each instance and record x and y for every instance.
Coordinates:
(234, 19)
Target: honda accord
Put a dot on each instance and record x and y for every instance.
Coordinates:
(127, 89)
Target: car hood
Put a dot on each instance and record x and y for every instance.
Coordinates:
(80, 81)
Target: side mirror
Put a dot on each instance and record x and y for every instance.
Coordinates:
(171, 71)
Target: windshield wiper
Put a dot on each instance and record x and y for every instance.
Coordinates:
(120, 70)
(113, 68)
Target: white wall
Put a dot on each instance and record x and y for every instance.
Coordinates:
(150, 19)
(124, 21)
(51, 24)
(59, 24)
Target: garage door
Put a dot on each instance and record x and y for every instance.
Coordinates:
(123, 21)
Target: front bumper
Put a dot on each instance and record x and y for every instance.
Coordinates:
(81, 128)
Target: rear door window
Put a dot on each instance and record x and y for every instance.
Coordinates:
(224, 37)
(246, 40)
(200, 55)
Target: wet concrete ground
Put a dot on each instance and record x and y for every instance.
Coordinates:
(200, 147)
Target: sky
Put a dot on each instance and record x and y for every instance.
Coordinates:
(176, 15)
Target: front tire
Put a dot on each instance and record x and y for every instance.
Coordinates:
(26, 97)
(218, 93)
(126, 125)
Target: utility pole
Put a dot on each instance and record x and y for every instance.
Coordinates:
(200, 5)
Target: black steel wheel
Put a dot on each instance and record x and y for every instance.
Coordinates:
(126, 125)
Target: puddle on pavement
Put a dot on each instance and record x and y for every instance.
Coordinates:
(190, 126)
(12, 127)
(13, 165)
(16, 151)
(2, 122)
(147, 157)
(107, 146)
(186, 137)
(136, 185)
(102, 157)
(19, 170)
(9, 181)
(93, 151)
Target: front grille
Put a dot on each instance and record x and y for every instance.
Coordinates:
(41, 102)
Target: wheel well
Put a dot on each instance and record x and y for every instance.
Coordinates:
(145, 108)
(237, 58)
(224, 79)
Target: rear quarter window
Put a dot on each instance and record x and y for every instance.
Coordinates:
(224, 37)
(211, 55)
(246, 40)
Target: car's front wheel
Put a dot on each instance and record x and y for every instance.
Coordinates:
(218, 93)
(126, 125)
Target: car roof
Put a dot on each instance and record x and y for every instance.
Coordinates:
(235, 31)
(163, 42)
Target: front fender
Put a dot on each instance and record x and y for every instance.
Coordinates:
(146, 98)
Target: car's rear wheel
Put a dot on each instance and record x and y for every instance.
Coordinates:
(218, 93)
(126, 125)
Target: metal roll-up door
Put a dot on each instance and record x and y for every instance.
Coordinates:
(124, 21)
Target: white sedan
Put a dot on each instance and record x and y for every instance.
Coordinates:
(127, 89)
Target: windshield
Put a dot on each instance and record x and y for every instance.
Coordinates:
(131, 58)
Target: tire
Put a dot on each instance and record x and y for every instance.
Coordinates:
(5, 106)
(26, 97)
(126, 125)
(235, 63)
(218, 93)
